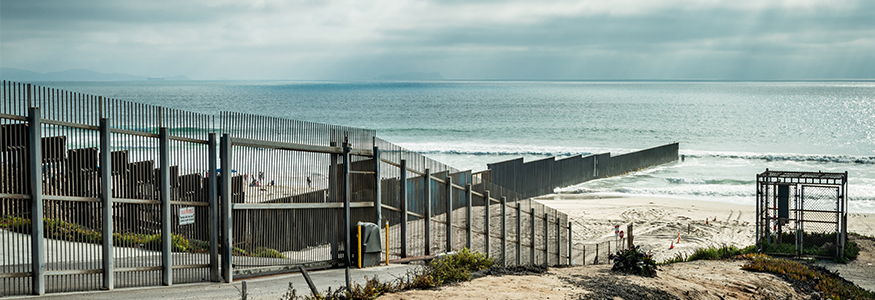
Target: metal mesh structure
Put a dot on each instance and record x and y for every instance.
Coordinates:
(802, 213)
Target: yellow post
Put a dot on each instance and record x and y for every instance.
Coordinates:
(387, 243)
(360, 244)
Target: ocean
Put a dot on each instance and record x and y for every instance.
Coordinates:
(728, 131)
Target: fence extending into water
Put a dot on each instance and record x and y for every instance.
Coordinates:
(134, 195)
(541, 177)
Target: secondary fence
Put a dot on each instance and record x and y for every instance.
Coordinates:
(137, 195)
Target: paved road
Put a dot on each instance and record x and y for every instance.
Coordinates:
(271, 287)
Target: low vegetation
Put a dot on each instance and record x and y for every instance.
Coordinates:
(711, 253)
(809, 278)
(455, 267)
(71, 232)
(634, 261)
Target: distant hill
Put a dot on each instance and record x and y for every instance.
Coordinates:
(412, 76)
(72, 75)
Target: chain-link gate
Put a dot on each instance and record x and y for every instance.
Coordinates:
(801, 213)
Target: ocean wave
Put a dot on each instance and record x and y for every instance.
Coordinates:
(709, 181)
(847, 159)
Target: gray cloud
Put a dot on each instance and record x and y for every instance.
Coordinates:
(485, 40)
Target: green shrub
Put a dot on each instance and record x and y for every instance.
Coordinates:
(634, 261)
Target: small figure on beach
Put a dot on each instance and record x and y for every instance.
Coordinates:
(271, 182)
(309, 182)
(260, 175)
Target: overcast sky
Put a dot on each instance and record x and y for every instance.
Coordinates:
(616, 39)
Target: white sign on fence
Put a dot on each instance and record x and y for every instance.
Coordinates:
(186, 215)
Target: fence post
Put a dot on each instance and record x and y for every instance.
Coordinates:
(449, 215)
(558, 240)
(378, 207)
(213, 200)
(347, 244)
(547, 239)
(469, 197)
(629, 240)
(38, 257)
(519, 234)
(534, 241)
(404, 216)
(227, 211)
(166, 246)
(486, 221)
(427, 189)
(106, 193)
(504, 231)
(333, 185)
(570, 246)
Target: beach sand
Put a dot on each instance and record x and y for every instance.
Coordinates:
(657, 222)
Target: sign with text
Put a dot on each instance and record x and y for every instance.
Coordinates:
(186, 215)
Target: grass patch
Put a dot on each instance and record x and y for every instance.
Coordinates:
(455, 267)
(808, 278)
(71, 232)
(711, 253)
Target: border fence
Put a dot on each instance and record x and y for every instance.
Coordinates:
(138, 195)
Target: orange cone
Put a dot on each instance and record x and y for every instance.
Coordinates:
(679, 238)
(672, 246)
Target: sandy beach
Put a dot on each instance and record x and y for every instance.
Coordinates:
(658, 221)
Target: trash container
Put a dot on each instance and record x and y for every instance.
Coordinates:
(371, 249)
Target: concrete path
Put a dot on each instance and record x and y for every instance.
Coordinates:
(270, 287)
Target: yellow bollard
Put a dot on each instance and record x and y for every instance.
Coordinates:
(360, 244)
(387, 243)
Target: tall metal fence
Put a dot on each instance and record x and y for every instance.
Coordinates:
(137, 195)
(540, 177)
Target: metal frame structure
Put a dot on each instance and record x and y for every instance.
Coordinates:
(802, 208)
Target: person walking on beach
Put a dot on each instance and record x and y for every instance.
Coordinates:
(308, 181)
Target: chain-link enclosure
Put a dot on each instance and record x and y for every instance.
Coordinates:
(802, 213)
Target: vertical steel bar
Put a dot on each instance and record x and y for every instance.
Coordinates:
(403, 200)
(486, 198)
(532, 247)
(166, 246)
(558, 240)
(571, 246)
(38, 258)
(378, 207)
(504, 231)
(213, 199)
(449, 213)
(404, 216)
(346, 198)
(427, 189)
(546, 239)
(227, 239)
(469, 197)
(333, 179)
(519, 234)
(106, 193)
